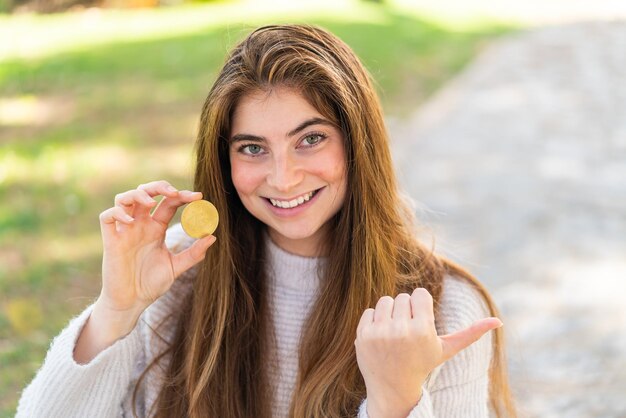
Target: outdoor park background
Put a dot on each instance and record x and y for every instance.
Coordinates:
(96, 101)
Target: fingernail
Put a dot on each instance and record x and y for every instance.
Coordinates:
(129, 218)
(190, 193)
(170, 188)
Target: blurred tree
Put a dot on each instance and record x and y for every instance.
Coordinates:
(8, 5)
(5, 6)
(124, 4)
(46, 6)
(55, 6)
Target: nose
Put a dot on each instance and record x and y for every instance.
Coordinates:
(285, 173)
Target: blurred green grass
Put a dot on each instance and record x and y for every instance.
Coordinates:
(81, 121)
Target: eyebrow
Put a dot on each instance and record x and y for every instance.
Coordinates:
(302, 126)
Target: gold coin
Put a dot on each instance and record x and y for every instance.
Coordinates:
(199, 219)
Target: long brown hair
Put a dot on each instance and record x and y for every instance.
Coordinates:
(217, 356)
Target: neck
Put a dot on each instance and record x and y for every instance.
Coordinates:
(313, 246)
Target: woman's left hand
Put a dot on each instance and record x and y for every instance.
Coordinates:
(397, 347)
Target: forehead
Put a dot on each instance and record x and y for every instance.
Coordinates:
(279, 107)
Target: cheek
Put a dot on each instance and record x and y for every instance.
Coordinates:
(335, 176)
(334, 167)
(245, 178)
(340, 176)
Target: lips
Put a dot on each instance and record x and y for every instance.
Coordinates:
(293, 203)
(299, 209)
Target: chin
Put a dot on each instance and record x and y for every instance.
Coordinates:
(296, 234)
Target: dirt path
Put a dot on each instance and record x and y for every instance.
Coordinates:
(519, 166)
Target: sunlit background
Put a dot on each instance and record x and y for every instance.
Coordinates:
(97, 99)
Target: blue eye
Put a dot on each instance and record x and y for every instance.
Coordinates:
(251, 149)
(314, 139)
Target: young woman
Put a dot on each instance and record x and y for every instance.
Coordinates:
(313, 299)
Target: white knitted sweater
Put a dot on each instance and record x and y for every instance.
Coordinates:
(103, 388)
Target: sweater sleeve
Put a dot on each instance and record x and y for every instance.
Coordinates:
(100, 389)
(64, 388)
(459, 387)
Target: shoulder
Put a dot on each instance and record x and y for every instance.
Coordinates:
(461, 304)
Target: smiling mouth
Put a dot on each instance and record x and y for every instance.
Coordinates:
(290, 204)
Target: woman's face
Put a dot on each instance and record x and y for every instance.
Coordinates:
(289, 167)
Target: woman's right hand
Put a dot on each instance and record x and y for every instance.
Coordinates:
(137, 267)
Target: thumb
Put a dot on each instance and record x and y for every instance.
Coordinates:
(454, 343)
(186, 259)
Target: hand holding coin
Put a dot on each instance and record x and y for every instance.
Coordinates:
(199, 219)
(137, 265)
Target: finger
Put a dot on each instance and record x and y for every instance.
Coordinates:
(160, 187)
(168, 206)
(155, 188)
(186, 259)
(453, 343)
(367, 318)
(109, 217)
(402, 307)
(422, 305)
(132, 197)
(136, 202)
(384, 308)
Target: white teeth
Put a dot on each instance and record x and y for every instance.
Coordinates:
(292, 203)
